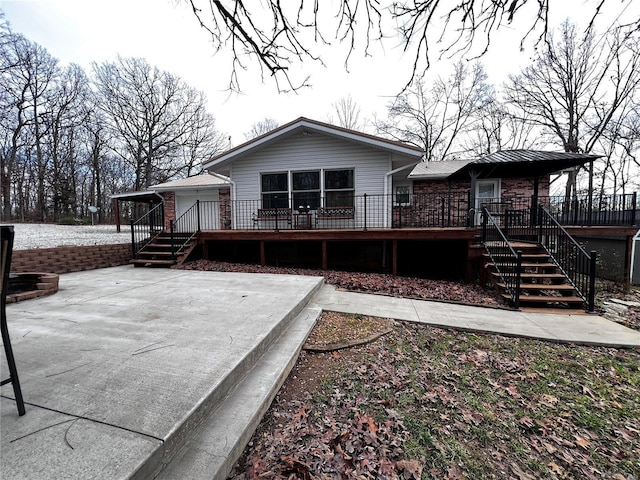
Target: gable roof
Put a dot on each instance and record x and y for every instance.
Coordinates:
(503, 164)
(304, 125)
(203, 180)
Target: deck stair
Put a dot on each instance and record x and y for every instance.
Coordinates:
(158, 252)
(543, 285)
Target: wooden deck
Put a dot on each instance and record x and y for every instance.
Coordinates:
(390, 238)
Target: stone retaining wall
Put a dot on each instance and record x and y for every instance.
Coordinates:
(70, 259)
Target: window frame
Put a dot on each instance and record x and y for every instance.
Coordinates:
(327, 192)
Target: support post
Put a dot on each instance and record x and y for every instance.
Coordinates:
(324, 255)
(198, 213)
(365, 212)
(394, 258)
(133, 242)
(516, 300)
(592, 282)
(173, 240)
(116, 211)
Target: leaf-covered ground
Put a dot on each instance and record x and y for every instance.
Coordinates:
(422, 402)
(407, 287)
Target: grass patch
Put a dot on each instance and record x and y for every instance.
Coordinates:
(424, 402)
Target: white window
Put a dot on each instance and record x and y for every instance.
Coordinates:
(402, 194)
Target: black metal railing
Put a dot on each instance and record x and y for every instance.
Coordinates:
(577, 265)
(506, 261)
(517, 215)
(184, 228)
(146, 228)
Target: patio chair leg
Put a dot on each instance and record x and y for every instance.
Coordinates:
(6, 250)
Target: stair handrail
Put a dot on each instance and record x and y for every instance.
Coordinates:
(571, 258)
(188, 222)
(146, 228)
(495, 242)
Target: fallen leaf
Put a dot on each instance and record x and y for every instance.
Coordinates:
(581, 441)
(555, 468)
(410, 468)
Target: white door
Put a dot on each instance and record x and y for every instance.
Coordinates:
(487, 194)
(209, 208)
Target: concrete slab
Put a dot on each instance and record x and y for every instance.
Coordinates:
(140, 350)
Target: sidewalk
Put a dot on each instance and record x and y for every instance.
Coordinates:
(584, 329)
(580, 329)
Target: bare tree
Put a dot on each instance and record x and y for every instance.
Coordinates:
(64, 119)
(576, 87)
(495, 129)
(347, 114)
(153, 115)
(435, 118)
(27, 72)
(260, 128)
(279, 35)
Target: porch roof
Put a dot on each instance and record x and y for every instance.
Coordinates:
(204, 180)
(504, 164)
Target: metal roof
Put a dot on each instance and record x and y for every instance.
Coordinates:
(503, 164)
(519, 156)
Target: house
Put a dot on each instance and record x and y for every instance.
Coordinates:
(309, 193)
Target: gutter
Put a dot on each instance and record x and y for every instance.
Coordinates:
(387, 176)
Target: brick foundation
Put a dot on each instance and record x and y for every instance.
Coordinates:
(70, 259)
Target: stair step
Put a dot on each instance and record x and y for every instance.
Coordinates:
(528, 265)
(541, 276)
(545, 299)
(159, 253)
(542, 286)
(531, 256)
(152, 263)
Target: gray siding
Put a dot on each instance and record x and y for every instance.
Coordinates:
(312, 152)
(316, 152)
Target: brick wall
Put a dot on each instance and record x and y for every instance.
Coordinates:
(225, 208)
(511, 187)
(521, 187)
(169, 208)
(70, 259)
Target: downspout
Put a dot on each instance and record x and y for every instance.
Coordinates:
(471, 221)
(233, 196)
(387, 176)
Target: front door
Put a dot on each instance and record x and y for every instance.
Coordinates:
(487, 194)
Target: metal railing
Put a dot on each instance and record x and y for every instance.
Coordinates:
(359, 212)
(146, 228)
(507, 261)
(572, 259)
(416, 210)
(184, 228)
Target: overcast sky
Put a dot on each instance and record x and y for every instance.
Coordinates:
(167, 34)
